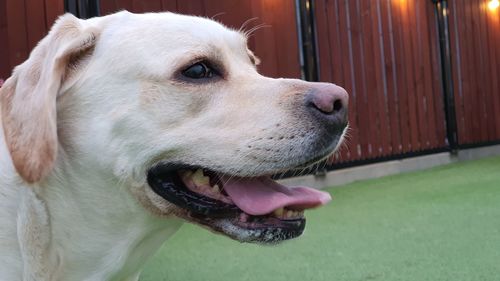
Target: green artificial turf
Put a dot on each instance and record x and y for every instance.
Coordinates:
(439, 224)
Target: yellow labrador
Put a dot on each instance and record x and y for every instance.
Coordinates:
(119, 128)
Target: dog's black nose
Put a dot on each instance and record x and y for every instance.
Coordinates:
(328, 104)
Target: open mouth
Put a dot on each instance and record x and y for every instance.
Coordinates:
(248, 209)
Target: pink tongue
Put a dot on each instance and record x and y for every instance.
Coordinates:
(260, 196)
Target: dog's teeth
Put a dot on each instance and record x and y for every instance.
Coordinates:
(186, 175)
(287, 214)
(199, 179)
(216, 188)
(278, 212)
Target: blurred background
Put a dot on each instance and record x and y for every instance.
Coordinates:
(424, 80)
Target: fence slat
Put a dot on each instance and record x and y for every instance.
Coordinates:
(457, 70)
(344, 37)
(408, 31)
(169, 5)
(401, 70)
(109, 6)
(325, 50)
(35, 21)
(493, 28)
(5, 67)
(125, 5)
(17, 32)
(384, 127)
(53, 9)
(391, 76)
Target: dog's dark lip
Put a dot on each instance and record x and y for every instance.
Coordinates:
(318, 158)
(264, 230)
(212, 213)
(164, 181)
(313, 161)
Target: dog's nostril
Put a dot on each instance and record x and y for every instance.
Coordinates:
(337, 106)
(328, 108)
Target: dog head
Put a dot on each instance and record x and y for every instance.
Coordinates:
(173, 107)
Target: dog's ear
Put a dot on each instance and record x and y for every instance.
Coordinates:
(28, 97)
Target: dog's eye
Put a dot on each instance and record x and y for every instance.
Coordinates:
(199, 70)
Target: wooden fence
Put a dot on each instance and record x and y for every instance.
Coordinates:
(22, 25)
(386, 53)
(475, 49)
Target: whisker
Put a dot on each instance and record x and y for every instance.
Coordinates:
(251, 31)
(245, 23)
(216, 15)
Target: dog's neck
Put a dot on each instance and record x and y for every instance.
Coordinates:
(114, 231)
(73, 229)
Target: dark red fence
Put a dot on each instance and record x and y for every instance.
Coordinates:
(386, 53)
(475, 49)
(22, 25)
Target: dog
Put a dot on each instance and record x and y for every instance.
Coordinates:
(118, 129)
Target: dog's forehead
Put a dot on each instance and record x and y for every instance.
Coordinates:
(163, 39)
(173, 30)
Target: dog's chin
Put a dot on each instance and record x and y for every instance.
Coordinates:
(248, 209)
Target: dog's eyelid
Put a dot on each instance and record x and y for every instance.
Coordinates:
(201, 69)
(209, 63)
(214, 64)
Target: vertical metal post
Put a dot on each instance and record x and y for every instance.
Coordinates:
(307, 39)
(446, 70)
(82, 8)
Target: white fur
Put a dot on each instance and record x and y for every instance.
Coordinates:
(93, 217)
